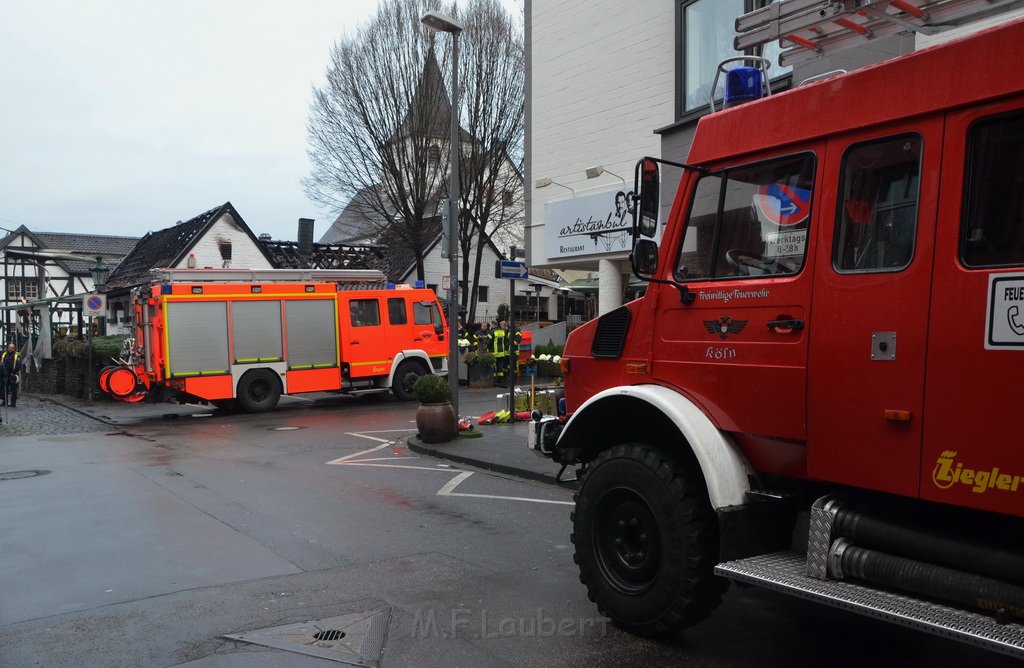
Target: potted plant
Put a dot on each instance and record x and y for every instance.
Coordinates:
(480, 366)
(435, 417)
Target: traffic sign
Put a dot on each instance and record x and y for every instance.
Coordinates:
(510, 270)
(94, 306)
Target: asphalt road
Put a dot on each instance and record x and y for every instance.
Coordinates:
(146, 543)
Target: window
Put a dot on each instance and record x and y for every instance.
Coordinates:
(481, 293)
(421, 313)
(18, 288)
(396, 311)
(993, 227)
(877, 213)
(704, 39)
(507, 197)
(749, 221)
(364, 312)
(434, 153)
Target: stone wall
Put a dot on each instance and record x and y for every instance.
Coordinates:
(63, 375)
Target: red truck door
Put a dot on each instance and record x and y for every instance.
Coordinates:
(740, 348)
(363, 335)
(972, 453)
(869, 323)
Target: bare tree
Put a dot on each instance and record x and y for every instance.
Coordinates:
(492, 73)
(375, 127)
(379, 130)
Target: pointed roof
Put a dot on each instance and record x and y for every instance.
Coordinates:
(68, 242)
(169, 246)
(430, 110)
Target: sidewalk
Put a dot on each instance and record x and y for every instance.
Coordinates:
(502, 449)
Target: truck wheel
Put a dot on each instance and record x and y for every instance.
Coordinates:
(646, 541)
(258, 391)
(405, 377)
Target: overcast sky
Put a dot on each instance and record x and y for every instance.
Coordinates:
(121, 117)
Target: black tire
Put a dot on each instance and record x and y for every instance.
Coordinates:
(259, 391)
(646, 541)
(406, 375)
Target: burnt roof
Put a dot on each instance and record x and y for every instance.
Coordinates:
(286, 255)
(168, 247)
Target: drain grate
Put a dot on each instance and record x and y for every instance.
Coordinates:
(18, 475)
(329, 634)
(355, 639)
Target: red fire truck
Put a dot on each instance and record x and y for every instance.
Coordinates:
(816, 392)
(248, 336)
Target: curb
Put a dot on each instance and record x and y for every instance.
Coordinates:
(421, 448)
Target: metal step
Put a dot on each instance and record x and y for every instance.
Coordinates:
(785, 572)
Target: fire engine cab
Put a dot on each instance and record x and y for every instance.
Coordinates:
(248, 336)
(816, 394)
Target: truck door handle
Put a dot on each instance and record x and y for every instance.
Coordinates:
(354, 343)
(786, 326)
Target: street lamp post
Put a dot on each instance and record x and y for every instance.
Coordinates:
(443, 23)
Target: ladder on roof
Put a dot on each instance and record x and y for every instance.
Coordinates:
(809, 28)
(362, 278)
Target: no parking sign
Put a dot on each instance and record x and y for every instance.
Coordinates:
(94, 306)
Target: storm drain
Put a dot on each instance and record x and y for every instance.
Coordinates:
(356, 639)
(18, 475)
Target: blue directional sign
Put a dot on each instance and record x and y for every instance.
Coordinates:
(512, 270)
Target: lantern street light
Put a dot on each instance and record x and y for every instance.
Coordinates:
(442, 23)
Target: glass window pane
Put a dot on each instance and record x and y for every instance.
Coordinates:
(421, 313)
(396, 311)
(708, 36)
(993, 226)
(749, 221)
(364, 312)
(877, 214)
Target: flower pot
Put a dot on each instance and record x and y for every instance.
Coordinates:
(481, 375)
(437, 423)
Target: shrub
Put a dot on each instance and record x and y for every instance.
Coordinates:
(103, 347)
(479, 359)
(432, 389)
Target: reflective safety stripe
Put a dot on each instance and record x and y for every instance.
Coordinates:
(371, 363)
(209, 372)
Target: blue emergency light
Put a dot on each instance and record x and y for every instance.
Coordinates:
(743, 84)
(419, 284)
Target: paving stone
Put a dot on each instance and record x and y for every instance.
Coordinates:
(38, 415)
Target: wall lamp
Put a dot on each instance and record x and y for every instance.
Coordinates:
(598, 170)
(548, 181)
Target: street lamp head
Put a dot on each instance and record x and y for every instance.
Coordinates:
(598, 170)
(99, 274)
(441, 22)
(546, 181)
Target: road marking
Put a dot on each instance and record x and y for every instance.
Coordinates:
(449, 487)
(449, 490)
(369, 438)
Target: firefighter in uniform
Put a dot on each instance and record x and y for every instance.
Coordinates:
(10, 368)
(500, 353)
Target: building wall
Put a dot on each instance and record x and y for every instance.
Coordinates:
(245, 254)
(600, 81)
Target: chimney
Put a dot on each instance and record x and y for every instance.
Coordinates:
(305, 238)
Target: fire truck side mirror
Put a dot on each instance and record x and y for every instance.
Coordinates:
(650, 197)
(645, 257)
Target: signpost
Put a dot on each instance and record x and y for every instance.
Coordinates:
(511, 270)
(94, 305)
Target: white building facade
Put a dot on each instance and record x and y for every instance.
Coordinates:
(610, 82)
